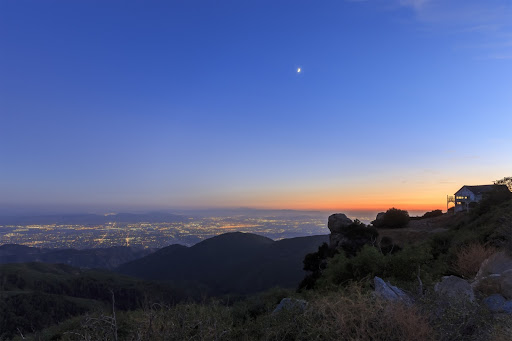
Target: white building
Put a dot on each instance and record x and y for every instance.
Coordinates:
(468, 196)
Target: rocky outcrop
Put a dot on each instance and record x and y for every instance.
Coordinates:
(454, 287)
(496, 264)
(380, 216)
(290, 304)
(337, 224)
(389, 292)
(349, 235)
(495, 276)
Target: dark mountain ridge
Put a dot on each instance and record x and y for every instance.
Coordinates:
(229, 263)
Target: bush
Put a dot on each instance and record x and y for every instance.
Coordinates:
(357, 235)
(502, 235)
(404, 265)
(340, 269)
(497, 196)
(469, 258)
(393, 218)
(316, 262)
(454, 319)
(433, 214)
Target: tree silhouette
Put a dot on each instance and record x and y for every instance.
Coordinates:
(507, 181)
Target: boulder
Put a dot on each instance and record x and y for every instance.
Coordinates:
(507, 307)
(337, 222)
(389, 292)
(488, 285)
(496, 264)
(290, 304)
(494, 303)
(455, 287)
(498, 304)
(506, 284)
(495, 275)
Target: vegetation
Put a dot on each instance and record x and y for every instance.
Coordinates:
(393, 218)
(469, 258)
(433, 214)
(338, 291)
(507, 181)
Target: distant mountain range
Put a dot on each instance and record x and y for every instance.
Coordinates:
(236, 262)
(36, 294)
(92, 219)
(229, 263)
(105, 258)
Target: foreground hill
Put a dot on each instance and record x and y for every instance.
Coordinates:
(37, 295)
(105, 258)
(229, 263)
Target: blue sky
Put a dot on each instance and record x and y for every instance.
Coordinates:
(175, 104)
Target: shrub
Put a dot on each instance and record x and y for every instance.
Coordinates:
(404, 265)
(367, 263)
(393, 218)
(388, 246)
(354, 315)
(455, 319)
(433, 214)
(502, 236)
(357, 235)
(469, 258)
(316, 262)
(336, 272)
(497, 196)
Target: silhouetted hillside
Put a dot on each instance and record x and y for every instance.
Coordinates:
(36, 295)
(105, 258)
(230, 263)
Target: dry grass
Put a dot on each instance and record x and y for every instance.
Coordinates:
(469, 259)
(361, 317)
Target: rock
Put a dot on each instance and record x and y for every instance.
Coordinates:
(494, 303)
(288, 304)
(349, 236)
(488, 285)
(380, 215)
(498, 304)
(496, 264)
(507, 307)
(337, 222)
(389, 292)
(506, 284)
(495, 275)
(455, 287)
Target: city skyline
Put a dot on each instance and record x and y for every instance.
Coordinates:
(190, 105)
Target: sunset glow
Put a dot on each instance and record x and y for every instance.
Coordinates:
(400, 106)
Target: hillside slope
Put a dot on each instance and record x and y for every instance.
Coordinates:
(229, 263)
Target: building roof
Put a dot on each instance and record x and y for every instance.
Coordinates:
(481, 189)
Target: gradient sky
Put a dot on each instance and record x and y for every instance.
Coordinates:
(176, 104)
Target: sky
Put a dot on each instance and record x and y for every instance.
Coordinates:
(119, 105)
